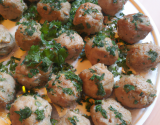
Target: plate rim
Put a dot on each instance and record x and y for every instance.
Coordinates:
(156, 38)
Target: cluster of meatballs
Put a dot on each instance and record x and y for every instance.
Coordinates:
(97, 82)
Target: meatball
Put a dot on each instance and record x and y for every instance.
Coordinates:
(101, 49)
(142, 57)
(133, 27)
(64, 89)
(111, 7)
(73, 42)
(135, 91)
(30, 77)
(30, 110)
(12, 9)
(71, 117)
(7, 43)
(7, 88)
(28, 34)
(88, 18)
(50, 10)
(110, 112)
(97, 81)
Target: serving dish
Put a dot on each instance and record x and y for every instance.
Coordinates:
(139, 115)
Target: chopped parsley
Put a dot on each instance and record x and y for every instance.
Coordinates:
(53, 121)
(40, 114)
(92, 71)
(114, 1)
(149, 81)
(98, 108)
(153, 95)
(153, 55)
(99, 40)
(54, 4)
(97, 80)
(68, 91)
(29, 27)
(89, 11)
(45, 7)
(117, 115)
(32, 13)
(73, 120)
(141, 94)
(136, 18)
(33, 72)
(128, 88)
(2, 79)
(88, 25)
(37, 103)
(111, 50)
(77, 82)
(24, 113)
(135, 102)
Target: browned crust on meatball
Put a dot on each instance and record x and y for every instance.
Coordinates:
(100, 54)
(132, 32)
(21, 74)
(12, 9)
(92, 22)
(110, 8)
(24, 40)
(141, 96)
(50, 15)
(138, 57)
(98, 119)
(89, 86)
(56, 93)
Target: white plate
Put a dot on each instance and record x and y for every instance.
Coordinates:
(139, 116)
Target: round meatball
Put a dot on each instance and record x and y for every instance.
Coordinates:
(111, 7)
(7, 88)
(12, 9)
(73, 42)
(88, 18)
(97, 81)
(30, 77)
(28, 34)
(110, 112)
(135, 91)
(142, 57)
(50, 10)
(77, 118)
(30, 110)
(7, 43)
(101, 49)
(133, 27)
(64, 89)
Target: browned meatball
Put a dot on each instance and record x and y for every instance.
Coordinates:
(133, 27)
(97, 81)
(64, 89)
(12, 9)
(110, 112)
(101, 49)
(7, 42)
(135, 91)
(30, 77)
(111, 7)
(50, 10)
(88, 18)
(77, 118)
(142, 57)
(73, 42)
(28, 34)
(30, 110)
